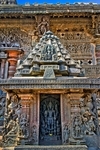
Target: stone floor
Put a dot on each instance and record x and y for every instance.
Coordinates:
(60, 147)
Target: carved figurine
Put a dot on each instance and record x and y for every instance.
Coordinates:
(24, 125)
(77, 127)
(12, 136)
(65, 134)
(34, 134)
(43, 26)
(88, 122)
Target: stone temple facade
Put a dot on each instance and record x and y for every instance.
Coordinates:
(49, 76)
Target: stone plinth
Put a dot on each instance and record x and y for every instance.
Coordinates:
(60, 147)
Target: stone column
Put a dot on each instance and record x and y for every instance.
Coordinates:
(12, 67)
(13, 54)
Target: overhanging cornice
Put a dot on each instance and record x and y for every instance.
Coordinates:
(49, 9)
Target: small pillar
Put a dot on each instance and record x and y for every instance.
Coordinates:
(13, 55)
(12, 67)
(97, 51)
(2, 67)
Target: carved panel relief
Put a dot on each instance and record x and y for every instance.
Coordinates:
(12, 117)
(20, 124)
(81, 119)
(79, 46)
(29, 125)
(15, 37)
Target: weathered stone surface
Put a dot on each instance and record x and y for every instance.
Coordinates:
(79, 33)
(49, 73)
(67, 147)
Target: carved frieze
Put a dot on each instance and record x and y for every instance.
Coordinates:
(15, 37)
(92, 71)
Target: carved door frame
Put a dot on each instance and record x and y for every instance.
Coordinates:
(61, 112)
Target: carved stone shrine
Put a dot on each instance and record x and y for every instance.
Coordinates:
(49, 76)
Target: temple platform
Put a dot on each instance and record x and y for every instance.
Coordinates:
(60, 147)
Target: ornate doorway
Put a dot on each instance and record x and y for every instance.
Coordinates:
(50, 119)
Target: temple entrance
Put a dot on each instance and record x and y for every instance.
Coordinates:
(50, 119)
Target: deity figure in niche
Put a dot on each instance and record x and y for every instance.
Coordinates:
(43, 26)
(49, 53)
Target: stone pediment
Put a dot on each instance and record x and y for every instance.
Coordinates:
(48, 59)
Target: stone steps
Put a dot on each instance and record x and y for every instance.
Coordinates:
(60, 147)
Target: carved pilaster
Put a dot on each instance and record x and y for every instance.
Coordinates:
(97, 51)
(2, 68)
(94, 21)
(33, 120)
(6, 70)
(98, 26)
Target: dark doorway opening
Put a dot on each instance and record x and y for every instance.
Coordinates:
(50, 119)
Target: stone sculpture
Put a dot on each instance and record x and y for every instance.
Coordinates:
(43, 26)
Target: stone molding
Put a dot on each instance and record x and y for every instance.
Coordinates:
(64, 8)
(37, 83)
